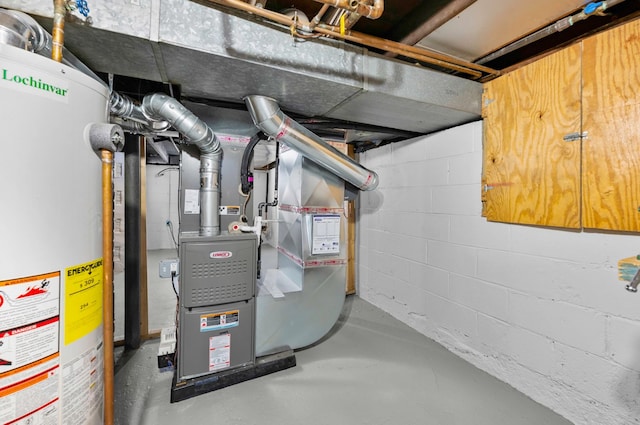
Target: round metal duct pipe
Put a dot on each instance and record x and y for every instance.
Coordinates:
(268, 117)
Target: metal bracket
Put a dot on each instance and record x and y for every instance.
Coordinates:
(572, 137)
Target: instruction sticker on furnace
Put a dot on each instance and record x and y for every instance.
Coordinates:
(326, 234)
(219, 352)
(218, 321)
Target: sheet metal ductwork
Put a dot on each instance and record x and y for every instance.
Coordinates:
(159, 107)
(268, 117)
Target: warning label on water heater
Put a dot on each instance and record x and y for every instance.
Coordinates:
(29, 353)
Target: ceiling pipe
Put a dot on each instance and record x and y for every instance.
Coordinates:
(420, 54)
(369, 11)
(268, 117)
(417, 53)
(441, 17)
(316, 19)
(159, 107)
(21, 30)
(59, 12)
(593, 8)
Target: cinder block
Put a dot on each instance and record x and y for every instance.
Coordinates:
(623, 342)
(536, 276)
(427, 226)
(598, 288)
(410, 296)
(513, 344)
(409, 151)
(403, 246)
(381, 262)
(580, 247)
(430, 279)
(477, 231)
(459, 199)
(465, 169)
(376, 157)
(478, 295)
(451, 257)
(605, 381)
(408, 199)
(476, 129)
(451, 316)
(569, 324)
(401, 268)
(451, 142)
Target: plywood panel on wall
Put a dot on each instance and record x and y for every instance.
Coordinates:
(611, 153)
(531, 175)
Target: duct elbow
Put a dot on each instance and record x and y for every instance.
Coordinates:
(159, 106)
(268, 117)
(263, 111)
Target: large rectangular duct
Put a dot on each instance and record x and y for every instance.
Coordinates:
(216, 55)
(311, 275)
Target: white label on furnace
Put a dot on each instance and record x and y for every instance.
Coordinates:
(219, 352)
(229, 210)
(191, 201)
(326, 234)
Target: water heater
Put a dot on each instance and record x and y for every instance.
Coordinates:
(51, 362)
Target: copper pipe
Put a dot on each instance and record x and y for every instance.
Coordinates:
(417, 53)
(351, 5)
(403, 49)
(107, 282)
(371, 12)
(316, 20)
(59, 12)
(370, 41)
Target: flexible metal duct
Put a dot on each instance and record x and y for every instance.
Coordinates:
(159, 107)
(266, 114)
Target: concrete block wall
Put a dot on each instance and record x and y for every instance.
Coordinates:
(162, 206)
(541, 309)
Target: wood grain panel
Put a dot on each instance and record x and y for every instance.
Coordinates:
(532, 175)
(611, 154)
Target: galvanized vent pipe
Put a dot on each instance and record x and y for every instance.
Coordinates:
(267, 116)
(159, 107)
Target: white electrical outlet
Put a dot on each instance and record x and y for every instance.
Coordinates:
(168, 267)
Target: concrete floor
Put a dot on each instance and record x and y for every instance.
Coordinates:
(371, 369)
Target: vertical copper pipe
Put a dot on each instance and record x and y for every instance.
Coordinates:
(59, 11)
(316, 20)
(107, 282)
